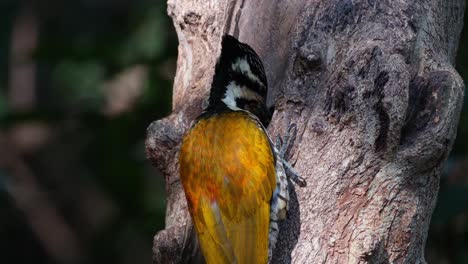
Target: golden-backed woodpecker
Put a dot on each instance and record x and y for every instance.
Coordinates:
(233, 176)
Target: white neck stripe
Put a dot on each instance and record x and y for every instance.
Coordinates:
(234, 91)
(242, 65)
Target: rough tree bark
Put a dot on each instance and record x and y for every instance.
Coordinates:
(372, 88)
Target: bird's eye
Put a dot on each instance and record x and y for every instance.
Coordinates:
(251, 106)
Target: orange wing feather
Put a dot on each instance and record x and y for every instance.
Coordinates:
(227, 170)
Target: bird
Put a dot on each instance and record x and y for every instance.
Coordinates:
(233, 176)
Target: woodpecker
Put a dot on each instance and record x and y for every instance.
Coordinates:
(233, 176)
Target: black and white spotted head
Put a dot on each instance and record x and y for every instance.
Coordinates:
(239, 81)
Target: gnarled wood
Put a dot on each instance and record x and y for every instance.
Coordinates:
(372, 89)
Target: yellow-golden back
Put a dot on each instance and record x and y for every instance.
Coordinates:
(228, 174)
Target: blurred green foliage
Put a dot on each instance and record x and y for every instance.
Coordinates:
(3, 106)
(92, 164)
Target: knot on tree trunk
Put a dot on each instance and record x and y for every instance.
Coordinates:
(162, 140)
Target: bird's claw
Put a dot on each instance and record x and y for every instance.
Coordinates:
(282, 146)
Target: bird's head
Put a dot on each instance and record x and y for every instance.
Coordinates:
(239, 81)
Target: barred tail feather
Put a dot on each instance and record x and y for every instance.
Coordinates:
(279, 205)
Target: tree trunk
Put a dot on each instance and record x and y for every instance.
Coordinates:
(372, 88)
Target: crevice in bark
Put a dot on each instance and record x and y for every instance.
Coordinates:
(384, 119)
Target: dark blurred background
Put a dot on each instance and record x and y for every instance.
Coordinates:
(79, 83)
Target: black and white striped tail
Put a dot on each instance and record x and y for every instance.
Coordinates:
(280, 199)
(279, 205)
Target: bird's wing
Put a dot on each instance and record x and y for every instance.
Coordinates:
(227, 170)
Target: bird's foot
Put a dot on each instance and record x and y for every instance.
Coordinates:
(282, 146)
